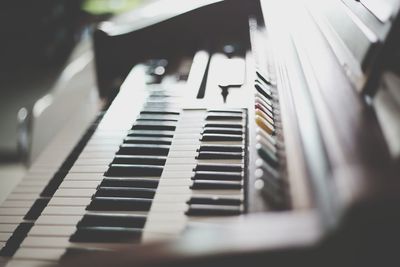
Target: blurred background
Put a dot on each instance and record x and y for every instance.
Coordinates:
(38, 40)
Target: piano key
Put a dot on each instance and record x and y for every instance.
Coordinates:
(7, 227)
(148, 140)
(79, 184)
(156, 120)
(119, 204)
(146, 160)
(221, 148)
(15, 239)
(107, 220)
(48, 254)
(69, 201)
(209, 130)
(215, 201)
(156, 134)
(160, 112)
(11, 219)
(74, 192)
(129, 182)
(218, 176)
(214, 185)
(224, 116)
(219, 155)
(125, 192)
(219, 167)
(233, 111)
(17, 204)
(71, 253)
(221, 137)
(107, 235)
(213, 210)
(5, 236)
(36, 209)
(88, 169)
(58, 220)
(52, 230)
(64, 210)
(157, 150)
(22, 196)
(45, 242)
(133, 170)
(223, 125)
(161, 126)
(158, 117)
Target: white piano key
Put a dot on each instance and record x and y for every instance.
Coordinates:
(11, 219)
(28, 189)
(186, 174)
(57, 220)
(17, 204)
(53, 230)
(29, 263)
(45, 242)
(182, 154)
(49, 254)
(189, 148)
(5, 236)
(92, 162)
(79, 184)
(64, 210)
(88, 169)
(76, 192)
(158, 207)
(187, 168)
(7, 227)
(23, 196)
(97, 155)
(14, 211)
(83, 177)
(67, 201)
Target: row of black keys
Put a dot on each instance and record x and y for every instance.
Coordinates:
(136, 194)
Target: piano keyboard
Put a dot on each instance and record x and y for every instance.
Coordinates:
(134, 181)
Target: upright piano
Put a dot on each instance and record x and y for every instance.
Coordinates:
(231, 132)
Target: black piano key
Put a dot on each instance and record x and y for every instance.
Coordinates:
(133, 170)
(216, 185)
(144, 160)
(219, 155)
(218, 176)
(267, 156)
(209, 130)
(221, 148)
(72, 253)
(213, 210)
(106, 235)
(160, 112)
(218, 167)
(224, 117)
(14, 242)
(215, 201)
(136, 149)
(221, 137)
(125, 192)
(119, 204)
(161, 126)
(129, 182)
(145, 133)
(36, 209)
(233, 111)
(147, 140)
(224, 125)
(112, 220)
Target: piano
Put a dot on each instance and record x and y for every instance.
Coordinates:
(231, 132)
